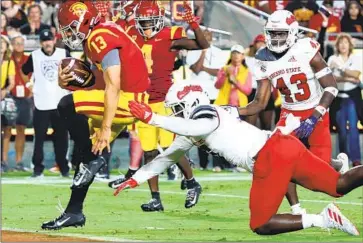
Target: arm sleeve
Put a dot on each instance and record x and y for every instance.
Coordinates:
(186, 127)
(170, 156)
(28, 66)
(112, 58)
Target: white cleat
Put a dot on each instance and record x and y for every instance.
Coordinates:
(345, 161)
(334, 219)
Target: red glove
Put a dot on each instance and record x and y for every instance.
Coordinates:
(141, 111)
(189, 17)
(130, 183)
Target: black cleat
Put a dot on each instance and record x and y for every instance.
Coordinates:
(87, 172)
(117, 182)
(193, 196)
(183, 184)
(154, 205)
(65, 220)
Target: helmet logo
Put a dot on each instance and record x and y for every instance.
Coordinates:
(290, 20)
(78, 8)
(187, 89)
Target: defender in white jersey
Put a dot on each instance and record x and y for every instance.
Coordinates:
(295, 67)
(221, 132)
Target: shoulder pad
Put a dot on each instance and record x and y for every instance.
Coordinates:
(204, 111)
(265, 54)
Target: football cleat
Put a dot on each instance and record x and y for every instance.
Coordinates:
(193, 196)
(87, 172)
(334, 219)
(65, 220)
(154, 205)
(341, 163)
(117, 182)
(345, 161)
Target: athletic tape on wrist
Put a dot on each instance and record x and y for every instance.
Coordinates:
(334, 91)
(323, 72)
(321, 109)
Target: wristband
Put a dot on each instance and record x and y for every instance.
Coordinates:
(321, 110)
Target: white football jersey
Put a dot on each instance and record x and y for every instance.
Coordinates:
(235, 140)
(292, 74)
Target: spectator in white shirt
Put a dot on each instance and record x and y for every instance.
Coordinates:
(347, 68)
(43, 63)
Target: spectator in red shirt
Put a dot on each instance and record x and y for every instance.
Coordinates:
(21, 96)
(352, 21)
(333, 24)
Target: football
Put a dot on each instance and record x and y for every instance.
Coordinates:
(84, 78)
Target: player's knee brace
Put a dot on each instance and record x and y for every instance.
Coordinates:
(150, 155)
(66, 106)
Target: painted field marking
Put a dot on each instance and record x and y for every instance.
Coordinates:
(60, 183)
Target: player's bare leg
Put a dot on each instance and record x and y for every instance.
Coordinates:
(135, 161)
(293, 200)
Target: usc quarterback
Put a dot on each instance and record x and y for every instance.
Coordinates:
(160, 45)
(106, 111)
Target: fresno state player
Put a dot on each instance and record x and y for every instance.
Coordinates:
(125, 75)
(296, 68)
(220, 131)
(159, 45)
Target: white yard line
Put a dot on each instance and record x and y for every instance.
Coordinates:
(60, 183)
(85, 236)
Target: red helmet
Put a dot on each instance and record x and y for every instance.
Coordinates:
(76, 20)
(149, 15)
(123, 8)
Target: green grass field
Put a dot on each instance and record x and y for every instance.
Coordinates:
(222, 213)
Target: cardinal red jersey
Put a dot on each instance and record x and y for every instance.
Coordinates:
(159, 59)
(109, 36)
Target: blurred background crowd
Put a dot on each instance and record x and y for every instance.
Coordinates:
(229, 26)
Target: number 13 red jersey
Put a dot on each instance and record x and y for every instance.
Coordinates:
(109, 36)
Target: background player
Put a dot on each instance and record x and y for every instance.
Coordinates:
(107, 46)
(159, 45)
(296, 68)
(219, 130)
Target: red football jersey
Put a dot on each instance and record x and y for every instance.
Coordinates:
(109, 36)
(159, 58)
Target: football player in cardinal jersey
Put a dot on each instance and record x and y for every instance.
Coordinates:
(212, 127)
(295, 67)
(160, 45)
(125, 75)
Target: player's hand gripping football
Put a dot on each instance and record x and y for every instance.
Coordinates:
(306, 127)
(130, 183)
(141, 111)
(101, 139)
(64, 76)
(189, 17)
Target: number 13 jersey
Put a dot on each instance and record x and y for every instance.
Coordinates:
(292, 74)
(108, 36)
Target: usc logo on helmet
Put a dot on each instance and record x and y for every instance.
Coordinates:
(78, 8)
